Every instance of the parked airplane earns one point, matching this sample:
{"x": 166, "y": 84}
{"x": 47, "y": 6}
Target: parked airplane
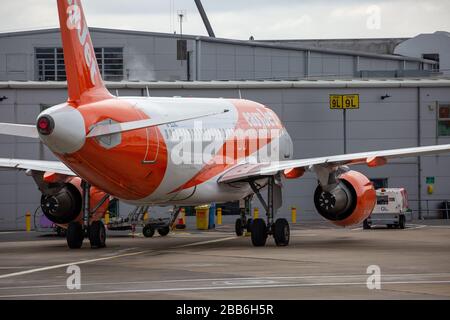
{"x": 175, "y": 151}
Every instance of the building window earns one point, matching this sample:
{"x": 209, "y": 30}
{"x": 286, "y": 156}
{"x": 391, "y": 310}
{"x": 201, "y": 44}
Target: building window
{"x": 379, "y": 183}
{"x": 433, "y": 57}
{"x": 444, "y": 120}
{"x": 50, "y": 64}
{"x": 110, "y": 62}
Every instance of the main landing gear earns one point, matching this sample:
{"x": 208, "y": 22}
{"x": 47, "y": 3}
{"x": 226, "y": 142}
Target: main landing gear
{"x": 95, "y": 231}
{"x": 260, "y": 230}
{"x": 243, "y": 223}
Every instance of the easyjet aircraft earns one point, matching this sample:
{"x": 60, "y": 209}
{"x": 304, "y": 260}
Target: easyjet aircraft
{"x": 139, "y": 150}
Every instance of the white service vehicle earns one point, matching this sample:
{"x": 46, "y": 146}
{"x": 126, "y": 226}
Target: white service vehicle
{"x": 390, "y": 210}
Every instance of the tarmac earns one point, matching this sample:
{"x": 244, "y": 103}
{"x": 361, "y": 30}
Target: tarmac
{"x": 321, "y": 262}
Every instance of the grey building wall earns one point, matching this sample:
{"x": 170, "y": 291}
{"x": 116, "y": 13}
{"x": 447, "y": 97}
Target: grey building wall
{"x": 147, "y": 56}
{"x": 303, "y": 106}
{"x": 153, "y": 56}
{"x": 372, "y": 45}
{"x": 434, "y": 43}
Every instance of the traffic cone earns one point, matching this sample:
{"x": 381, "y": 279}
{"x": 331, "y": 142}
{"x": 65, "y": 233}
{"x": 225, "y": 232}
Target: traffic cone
{"x": 181, "y": 221}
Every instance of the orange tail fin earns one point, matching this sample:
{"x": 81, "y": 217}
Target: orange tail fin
{"x": 84, "y": 80}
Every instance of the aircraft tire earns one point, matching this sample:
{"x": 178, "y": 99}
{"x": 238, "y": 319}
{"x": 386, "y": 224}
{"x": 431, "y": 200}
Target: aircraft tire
{"x": 74, "y": 235}
{"x": 249, "y": 225}
{"x": 259, "y": 233}
{"x": 281, "y": 232}
{"x": 97, "y": 234}
{"x": 239, "y": 227}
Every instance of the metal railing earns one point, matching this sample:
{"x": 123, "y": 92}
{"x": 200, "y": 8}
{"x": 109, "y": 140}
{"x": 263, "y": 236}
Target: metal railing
{"x": 430, "y": 208}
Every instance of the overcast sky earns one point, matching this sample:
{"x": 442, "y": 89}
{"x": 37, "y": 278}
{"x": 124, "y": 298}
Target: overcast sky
{"x": 264, "y": 19}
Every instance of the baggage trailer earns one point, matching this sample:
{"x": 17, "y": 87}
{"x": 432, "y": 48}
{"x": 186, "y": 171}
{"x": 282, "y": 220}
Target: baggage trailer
{"x": 138, "y": 217}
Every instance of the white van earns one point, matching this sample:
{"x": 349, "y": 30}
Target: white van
{"x": 390, "y": 210}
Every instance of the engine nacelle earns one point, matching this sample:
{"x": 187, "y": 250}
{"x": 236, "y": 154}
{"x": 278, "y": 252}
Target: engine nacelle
{"x": 65, "y": 205}
{"x": 348, "y": 202}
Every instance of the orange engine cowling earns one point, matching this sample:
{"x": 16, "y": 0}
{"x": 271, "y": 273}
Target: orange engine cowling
{"x": 349, "y": 202}
{"x": 65, "y": 205}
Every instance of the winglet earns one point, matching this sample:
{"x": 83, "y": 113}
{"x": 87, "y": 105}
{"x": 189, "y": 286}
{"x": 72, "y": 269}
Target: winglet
{"x": 84, "y": 81}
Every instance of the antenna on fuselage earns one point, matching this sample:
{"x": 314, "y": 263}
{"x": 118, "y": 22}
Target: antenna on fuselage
{"x": 117, "y": 93}
{"x": 240, "y": 93}
{"x": 148, "y": 91}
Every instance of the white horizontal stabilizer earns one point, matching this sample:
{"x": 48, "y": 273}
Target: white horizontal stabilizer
{"x": 19, "y": 130}
{"x": 36, "y": 165}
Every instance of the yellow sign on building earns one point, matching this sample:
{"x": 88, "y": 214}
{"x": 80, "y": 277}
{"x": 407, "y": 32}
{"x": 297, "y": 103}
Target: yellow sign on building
{"x": 349, "y": 101}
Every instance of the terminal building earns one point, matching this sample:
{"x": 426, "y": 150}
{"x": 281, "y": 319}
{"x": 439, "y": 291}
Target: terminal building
{"x": 404, "y": 100}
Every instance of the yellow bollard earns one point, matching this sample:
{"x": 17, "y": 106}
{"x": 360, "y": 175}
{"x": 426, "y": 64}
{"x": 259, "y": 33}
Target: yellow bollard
{"x": 28, "y": 221}
{"x": 294, "y": 214}
{"x": 183, "y": 216}
{"x": 255, "y": 213}
{"x": 219, "y": 216}
{"x": 107, "y": 218}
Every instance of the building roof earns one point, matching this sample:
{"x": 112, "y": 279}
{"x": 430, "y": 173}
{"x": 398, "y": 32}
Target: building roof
{"x": 230, "y": 41}
{"x": 351, "y": 83}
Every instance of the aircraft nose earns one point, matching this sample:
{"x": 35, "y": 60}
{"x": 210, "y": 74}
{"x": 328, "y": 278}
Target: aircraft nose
{"x": 62, "y": 129}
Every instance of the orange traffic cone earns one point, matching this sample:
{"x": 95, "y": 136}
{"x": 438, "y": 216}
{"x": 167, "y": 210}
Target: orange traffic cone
{"x": 181, "y": 221}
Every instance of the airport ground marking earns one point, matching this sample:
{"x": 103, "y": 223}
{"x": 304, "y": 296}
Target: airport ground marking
{"x": 330, "y": 284}
{"x": 195, "y": 244}
{"x": 58, "y": 266}
{"x": 21, "y": 273}
{"x": 237, "y": 279}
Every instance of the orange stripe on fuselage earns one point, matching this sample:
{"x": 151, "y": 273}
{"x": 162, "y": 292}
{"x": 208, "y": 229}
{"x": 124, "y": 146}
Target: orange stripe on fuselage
{"x": 119, "y": 171}
{"x": 217, "y": 165}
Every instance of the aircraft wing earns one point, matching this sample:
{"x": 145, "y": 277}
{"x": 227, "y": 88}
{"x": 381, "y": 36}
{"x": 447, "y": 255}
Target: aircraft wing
{"x": 36, "y": 165}
{"x": 248, "y": 171}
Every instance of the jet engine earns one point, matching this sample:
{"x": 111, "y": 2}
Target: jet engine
{"x": 64, "y": 204}
{"x": 347, "y": 202}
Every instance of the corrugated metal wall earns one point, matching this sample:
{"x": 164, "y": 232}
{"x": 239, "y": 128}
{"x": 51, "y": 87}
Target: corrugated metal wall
{"x": 315, "y": 129}
{"x": 150, "y": 56}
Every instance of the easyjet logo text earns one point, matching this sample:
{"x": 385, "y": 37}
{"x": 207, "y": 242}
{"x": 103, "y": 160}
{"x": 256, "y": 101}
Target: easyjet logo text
{"x": 260, "y": 119}
{"x": 74, "y": 22}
